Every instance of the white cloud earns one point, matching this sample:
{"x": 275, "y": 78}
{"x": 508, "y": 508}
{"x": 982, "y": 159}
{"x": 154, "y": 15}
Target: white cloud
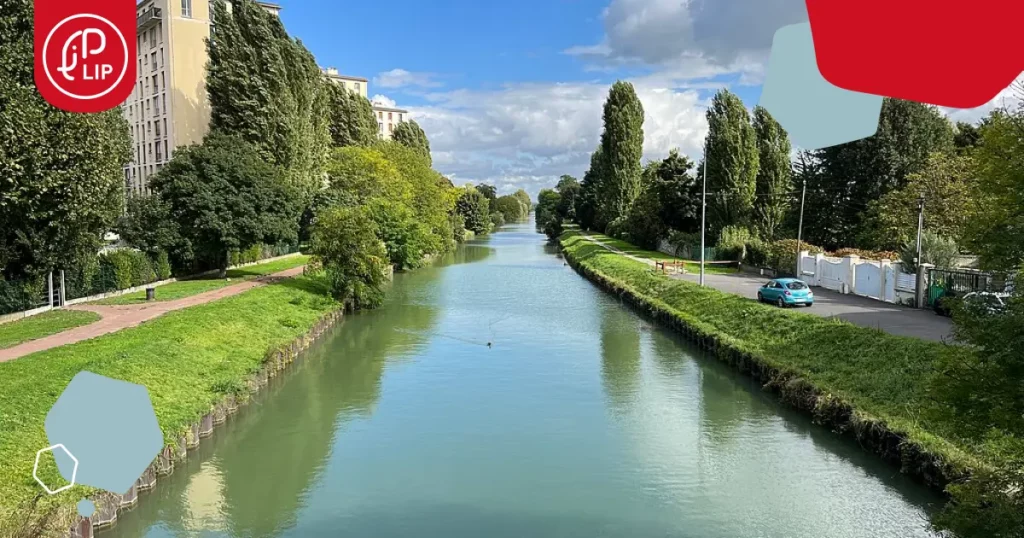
{"x": 526, "y": 135}
{"x": 400, "y": 78}
{"x": 696, "y": 35}
{"x": 383, "y": 100}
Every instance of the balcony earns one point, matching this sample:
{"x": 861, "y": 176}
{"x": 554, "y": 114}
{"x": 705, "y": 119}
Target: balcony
{"x": 149, "y": 17}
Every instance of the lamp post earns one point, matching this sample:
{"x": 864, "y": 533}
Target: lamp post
{"x": 800, "y": 230}
{"x": 920, "y": 225}
{"x": 703, "y": 209}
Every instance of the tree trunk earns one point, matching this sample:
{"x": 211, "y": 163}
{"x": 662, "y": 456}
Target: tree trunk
{"x": 224, "y": 267}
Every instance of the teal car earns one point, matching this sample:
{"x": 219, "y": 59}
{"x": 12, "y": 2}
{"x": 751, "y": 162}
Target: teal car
{"x": 786, "y": 292}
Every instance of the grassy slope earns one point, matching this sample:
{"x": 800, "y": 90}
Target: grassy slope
{"x": 633, "y": 250}
{"x": 884, "y": 377}
{"x": 53, "y": 322}
{"x": 187, "y": 359}
{"x": 188, "y": 288}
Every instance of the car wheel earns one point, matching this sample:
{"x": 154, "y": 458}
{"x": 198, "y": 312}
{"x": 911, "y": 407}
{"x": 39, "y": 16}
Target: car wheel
{"x": 760, "y": 298}
{"x": 810, "y": 305}
{"x": 781, "y": 303}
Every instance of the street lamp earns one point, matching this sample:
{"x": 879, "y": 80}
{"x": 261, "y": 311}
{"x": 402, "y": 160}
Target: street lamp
{"x": 704, "y": 198}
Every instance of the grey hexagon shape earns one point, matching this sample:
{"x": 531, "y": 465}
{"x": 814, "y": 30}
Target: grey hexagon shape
{"x": 815, "y": 113}
{"x": 110, "y": 426}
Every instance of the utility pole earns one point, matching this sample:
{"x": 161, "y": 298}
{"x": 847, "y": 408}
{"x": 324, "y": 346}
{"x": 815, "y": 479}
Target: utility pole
{"x": 920, "y": 225}
{"x": 800, "y": 228}
{"x": 703, "y": 209}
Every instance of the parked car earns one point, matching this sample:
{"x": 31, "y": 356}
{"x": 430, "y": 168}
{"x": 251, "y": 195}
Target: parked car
{"x": 991, "y": 302}
{"x": 786, "y": 292}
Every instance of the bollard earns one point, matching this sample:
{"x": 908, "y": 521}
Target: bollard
{"x": 150, "y": 294}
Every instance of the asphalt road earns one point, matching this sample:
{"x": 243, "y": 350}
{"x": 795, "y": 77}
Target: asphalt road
{"x": 893, "y": 319}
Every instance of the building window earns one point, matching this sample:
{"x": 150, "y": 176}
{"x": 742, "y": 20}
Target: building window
{"x": 380, "y": 126}
{"x": 186, "y": 8}
{"x": 400, "y": 117}
{"x": 343, "y": 84}
{"x": 357, "y": 87}
{"x": 152, "y": 38}
{"x": 153, "y": 58}
{"x": 157, "y": 129}
{"x": 163, "y": 81}
{"x": 156, "y": 106}
{"x": 165, "y": 125}
{"x": 164, "y": 97}
{"x": 389, "y": 115}
{"x": 166, "y": 152}
{"x": 391, "y": 127}
{"x": 155, "y": 89}
{"x": 380, "y": 116}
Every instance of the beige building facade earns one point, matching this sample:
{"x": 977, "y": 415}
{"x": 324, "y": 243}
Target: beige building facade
{"x": 169, "y": 106}
{"x": 387, "y": 117}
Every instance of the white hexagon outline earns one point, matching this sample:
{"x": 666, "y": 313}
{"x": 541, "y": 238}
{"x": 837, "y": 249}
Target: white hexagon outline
{"x": 74, "y": 473}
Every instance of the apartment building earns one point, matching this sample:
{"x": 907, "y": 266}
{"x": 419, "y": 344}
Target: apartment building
{"x": 168, "y": 107}
{"x": 387, "y": 117}
{"x": 354, "y": 84}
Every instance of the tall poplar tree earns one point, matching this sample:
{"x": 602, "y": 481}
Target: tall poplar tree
{"x": 622, "y": 144}
{"x": 352, "y": 122}
{"x": 411, "y": 135}
{"x": 732, "y": 162}
{"x": 774, "y": 176}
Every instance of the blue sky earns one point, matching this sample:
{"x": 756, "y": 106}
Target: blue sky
{"x": 510, "y": 93}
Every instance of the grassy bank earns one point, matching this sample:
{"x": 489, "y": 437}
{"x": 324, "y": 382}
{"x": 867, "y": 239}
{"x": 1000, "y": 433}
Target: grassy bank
{"x": 188, "y": 360}
{"x": 188, "y": 288}
{"x": 654, "y": 255}
{"x": 38, "y": 326}
{"x": 865, "y": 382}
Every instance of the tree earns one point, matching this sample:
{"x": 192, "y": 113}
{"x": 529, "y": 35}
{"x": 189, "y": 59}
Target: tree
{"x": 345, "y": 244}
{"x": 488, "y": 191}
{"x": 357, "y": 175}
{"x": 432, "y": 195}
{"x": 644, "y": 225}
{"x": 406, "y": 239}
{"x": 678, "y": 192}
{"x": 949, "y": 187}
{"x": 410, "y": 135}
{"x": 996, "y": 233}
{"x": 622, "y": 144}
{"x": 966, "y": 136}
{"x": 352, "y": 119}
{"x": 147, "y": 225}
{"x": 859, "y": 172}
{"x": 267, "y": 89}
{"x": 474, "y": 208}
{"x": 61, "y": 174}
{"x": 935, "y": 249}
{"x": 774, "y": 175}
{"x": 510, "y": 207}
{"x": 732, "y": 162}
{"x": 524, "y": 199}
{"x": 588, "y": 215}
{"x": 548, "y": 219}
{"x": 224, "y": 196}
{"x": 568, "y": 192}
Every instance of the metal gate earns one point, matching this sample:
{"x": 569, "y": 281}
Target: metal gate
{"x": 953, "y": 283}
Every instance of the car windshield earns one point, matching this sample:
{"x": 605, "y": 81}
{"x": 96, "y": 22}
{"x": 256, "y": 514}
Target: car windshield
{"x": 796, "y": 285}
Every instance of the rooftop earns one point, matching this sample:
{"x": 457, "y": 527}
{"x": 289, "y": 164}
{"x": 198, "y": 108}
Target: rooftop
{"x": 332, "y": 72}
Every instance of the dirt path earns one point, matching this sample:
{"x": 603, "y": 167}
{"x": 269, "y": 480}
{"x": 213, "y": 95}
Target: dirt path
{"x": 115, "y": 318}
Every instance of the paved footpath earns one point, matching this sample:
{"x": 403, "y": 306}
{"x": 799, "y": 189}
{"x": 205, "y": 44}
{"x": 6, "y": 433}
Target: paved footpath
{"x": 893, "y": 319}
{"x": 117, "y": 317}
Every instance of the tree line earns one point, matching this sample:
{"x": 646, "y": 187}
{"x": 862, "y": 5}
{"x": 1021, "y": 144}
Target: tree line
{"x": 290, "y": 157}
{"x": 861, "y": 197}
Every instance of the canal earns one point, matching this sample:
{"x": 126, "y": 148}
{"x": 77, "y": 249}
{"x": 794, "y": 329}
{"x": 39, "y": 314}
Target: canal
{"x": 580, "y": 419}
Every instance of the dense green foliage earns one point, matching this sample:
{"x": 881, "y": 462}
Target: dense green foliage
{"x": 935, "y": 249}
{"x": 587, "y": 205}
{"x": 345, "y": 245}
{"x": 549, "y": 212}
{"x": 61, "y": 173}
{"x": 842, "y": 180}
{"x": 622, "y": 143}
{"x": 223, "y": 196}
{"x": 411, "y": 135}
{"x": 489, "y": 191}
{"x": 474, "y": 208}
{"x": 774, "y": 176}
{"x": 511, "y": 207}
{"x": 266, "y": 88}
{"x": 352, "y": 120}
{"x": 996, "y": 230}
{"x": 733, "y": 162}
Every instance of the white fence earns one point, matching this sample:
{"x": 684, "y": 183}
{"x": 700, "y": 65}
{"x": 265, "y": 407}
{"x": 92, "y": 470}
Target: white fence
{"x": 881, "y": 280}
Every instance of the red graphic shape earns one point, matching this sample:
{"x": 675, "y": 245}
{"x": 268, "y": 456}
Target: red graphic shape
{"x": 942, "y": 52}
{"x": 85, "y": 53}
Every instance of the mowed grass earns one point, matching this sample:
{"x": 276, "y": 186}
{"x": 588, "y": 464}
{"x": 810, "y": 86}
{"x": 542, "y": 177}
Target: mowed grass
{"x": 188, "y": 288}
{"x": 188, "y": 359}
{"x": 45, "y": 324}
{"x": 710, "y": 266}
{"x": 884, "y": 377}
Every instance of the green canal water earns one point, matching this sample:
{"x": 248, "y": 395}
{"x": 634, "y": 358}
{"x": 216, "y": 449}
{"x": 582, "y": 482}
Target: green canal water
{"x": 581, "y": 420}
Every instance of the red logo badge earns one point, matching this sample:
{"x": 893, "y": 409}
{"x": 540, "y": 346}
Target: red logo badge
{"x": 85, "y": 53}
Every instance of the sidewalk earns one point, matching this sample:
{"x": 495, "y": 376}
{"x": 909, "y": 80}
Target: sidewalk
{"x": 115, "y": 318}
{"x": 893, "y": 319}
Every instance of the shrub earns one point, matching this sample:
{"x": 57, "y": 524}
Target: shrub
{"x": 867, "y": 254}
{"x": 345, "y": 243}
{"x": 936, "y": 250}
{"x": 141, "y": 267}
{"x": 18, "y": 295}
{"x": 782, "y": 254}
{"x": 162, "y": 266}
{"x": 757, "y": 253}
{"x": 115, "y": 270}
{"x": 617, "y": 228}
{"x": 683, "y": 242}
{"x": 732, "y": 244}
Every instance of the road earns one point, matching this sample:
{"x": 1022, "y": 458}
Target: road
{"x": 893, "y": 319}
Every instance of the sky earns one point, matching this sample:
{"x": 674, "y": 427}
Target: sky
{"x": 510, "y": 93}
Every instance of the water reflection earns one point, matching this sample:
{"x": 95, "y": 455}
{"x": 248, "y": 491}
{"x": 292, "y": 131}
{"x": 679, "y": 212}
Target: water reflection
{"x": 620, "y": 357}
